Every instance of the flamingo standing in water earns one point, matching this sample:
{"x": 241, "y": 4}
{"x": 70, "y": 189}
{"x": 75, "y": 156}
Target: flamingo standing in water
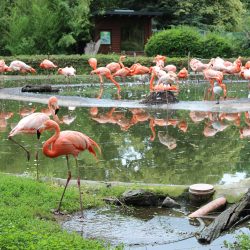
{"x": 114, "y": 66}
{"x": 102, "y": 71}
{"x": 29, "y": 124}
{"x": 67, "y": 143}
{"x": 67, "y": 72}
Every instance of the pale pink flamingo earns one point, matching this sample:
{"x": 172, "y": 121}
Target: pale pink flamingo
{"x": 29, "y": 124}
{"x": 68, "y": 72}
{"x": 67, "y": 143}
{"x": 170, "y": 67}
{"x": 22, "y": 67}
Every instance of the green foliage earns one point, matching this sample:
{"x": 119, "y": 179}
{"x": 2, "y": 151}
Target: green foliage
{"x": 26, "y": 220}
{"x": 216, "y": 45}
{"x": 242, "y": 243}
{"x": 174, "y": 42}
{"x": 36, "y": 27}
{"x": 181, "y": 40}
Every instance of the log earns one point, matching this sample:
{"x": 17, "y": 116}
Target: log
{"x": 211, "y": 206}
{"x": 225, "y": 220}
{"x": 39, "y": 88}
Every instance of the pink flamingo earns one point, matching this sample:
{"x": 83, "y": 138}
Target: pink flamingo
{"x": 214, "y": 75}
{"x": 29, "y": 124}
{"x": 48, "y": 65}
{"x": 103, "y": 71}
{"x": 67, "y": 143}
{"x": 114, "y": 66}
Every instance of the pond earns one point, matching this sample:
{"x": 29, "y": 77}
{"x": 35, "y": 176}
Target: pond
{"x": 139, "y": 145}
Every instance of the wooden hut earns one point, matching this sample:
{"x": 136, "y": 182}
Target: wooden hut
{"x": 123, "y": 30}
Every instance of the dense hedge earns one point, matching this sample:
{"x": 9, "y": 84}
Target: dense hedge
{"x": 80, "y": 62}
{"x": 183, "y": 40}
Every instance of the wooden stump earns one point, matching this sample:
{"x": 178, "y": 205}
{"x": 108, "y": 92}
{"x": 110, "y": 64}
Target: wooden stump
{"x": 226, "y": 220}
{"x": 160, "y": 97}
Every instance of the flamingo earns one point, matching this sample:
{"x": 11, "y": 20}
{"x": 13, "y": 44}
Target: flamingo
{"x": 183, "y": 73}
{"x": 48, "y": 65}
{"x": 4, "y": 67}
{"x": 114, "y": 66}
{"x": 103, "y": 71}
{"x": 217, "y": 91}
{"x": 170, "y": 67}
{"x": 67, "y": 143}
{"x": 197, "y": 66}
{"x": 29, "y": 124}
{"x": 67, "y": 72}
{"x": 245, "y": 73}
{"x": 247, "y": 65}
{"x": 215, "y": 75}
{"x": 21, "y": 67}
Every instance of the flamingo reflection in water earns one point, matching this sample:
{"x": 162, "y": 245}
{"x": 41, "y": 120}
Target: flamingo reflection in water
{"x": 29, "y": 125}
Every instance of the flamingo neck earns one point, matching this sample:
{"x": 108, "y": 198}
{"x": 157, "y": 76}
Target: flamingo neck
{"x": 48, "y": 145}
{"x": 121, "y": 63}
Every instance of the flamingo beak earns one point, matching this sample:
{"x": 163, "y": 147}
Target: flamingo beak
{"x": 38, "y": 134}
{"x": 56, "y": 110}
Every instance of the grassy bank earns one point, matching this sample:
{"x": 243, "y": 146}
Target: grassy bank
{"x": 28, "y": 223}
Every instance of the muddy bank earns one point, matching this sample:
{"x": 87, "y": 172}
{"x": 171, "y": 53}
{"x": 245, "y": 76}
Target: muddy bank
{"x": 233, "y": 191}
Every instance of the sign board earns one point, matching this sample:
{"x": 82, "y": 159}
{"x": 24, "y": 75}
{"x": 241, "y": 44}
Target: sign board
{"x": 105, "y": 37}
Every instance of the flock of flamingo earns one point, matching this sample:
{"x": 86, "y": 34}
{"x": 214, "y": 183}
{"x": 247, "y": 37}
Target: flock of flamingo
{"x": 70, "y": 142}
{"x": 166, "y": 75}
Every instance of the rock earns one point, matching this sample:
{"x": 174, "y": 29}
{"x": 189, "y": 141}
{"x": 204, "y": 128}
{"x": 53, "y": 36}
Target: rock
{"x": 141, "y": 197}
{"x": 170, "y": 203}
{"x": 39, "y": 88}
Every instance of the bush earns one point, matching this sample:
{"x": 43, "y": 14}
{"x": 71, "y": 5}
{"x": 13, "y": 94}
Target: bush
{"x": 175, "y": 42}
{"x": 214, "y": 45}
{"x": 181, "y": 40}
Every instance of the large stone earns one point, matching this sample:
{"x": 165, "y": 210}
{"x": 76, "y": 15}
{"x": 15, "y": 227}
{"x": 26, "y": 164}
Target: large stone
{"x": 170, "y": 203}
{"x": 141, "y": 197}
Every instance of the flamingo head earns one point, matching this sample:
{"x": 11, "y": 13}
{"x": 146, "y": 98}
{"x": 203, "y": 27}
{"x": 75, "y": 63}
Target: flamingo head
{"x": 47, "y": 125}
{"x": 53, "y": 104}
{"x": 92, "y": 63}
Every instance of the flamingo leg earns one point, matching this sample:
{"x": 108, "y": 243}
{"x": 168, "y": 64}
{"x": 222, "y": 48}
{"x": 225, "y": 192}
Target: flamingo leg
{"x": 223, "y": 86}
{"x": 65, "y": 187}
{"x": 115, "y": 82}
{"x": 28, "y": 153}
{"x": 79, "y": 187}
{"x": 151, "y": 82}
{"x": 37, "y": 170}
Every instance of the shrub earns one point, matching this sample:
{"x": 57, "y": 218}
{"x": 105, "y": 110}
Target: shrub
{"x": 183, "y": 39}
{"x": 216, "y": 45}
{"x": 175, "y": 42}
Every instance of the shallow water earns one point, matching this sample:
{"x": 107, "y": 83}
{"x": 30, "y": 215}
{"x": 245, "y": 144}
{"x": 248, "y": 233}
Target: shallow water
{"x": 139, "y": 145}
{"x": 144, "y": 228}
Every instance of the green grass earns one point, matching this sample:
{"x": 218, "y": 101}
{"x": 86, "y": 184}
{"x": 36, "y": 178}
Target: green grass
{"x": 27, "y": 221}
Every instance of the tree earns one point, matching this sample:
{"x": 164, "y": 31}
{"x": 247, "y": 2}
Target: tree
{"x": 49, "y": 26}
